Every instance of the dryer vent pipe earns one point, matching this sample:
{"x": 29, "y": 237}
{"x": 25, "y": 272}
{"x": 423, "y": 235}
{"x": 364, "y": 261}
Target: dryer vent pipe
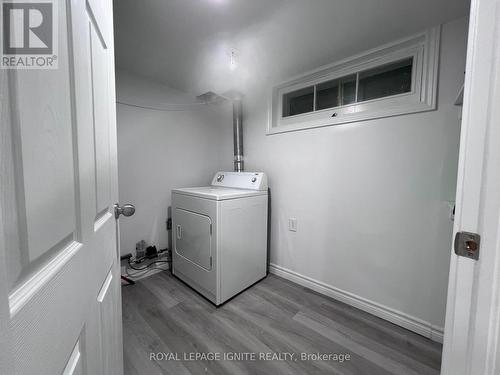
{"x": 238, "y": 134}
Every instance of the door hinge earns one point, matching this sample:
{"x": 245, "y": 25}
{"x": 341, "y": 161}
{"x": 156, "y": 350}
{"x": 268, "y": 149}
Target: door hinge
{"x": 210, "y": 229}
{"x": 210, "y": 261}
{"x": 467, "y": 244}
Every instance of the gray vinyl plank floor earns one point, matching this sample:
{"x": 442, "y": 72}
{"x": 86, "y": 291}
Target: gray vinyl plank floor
{"x": 165, "y": 322}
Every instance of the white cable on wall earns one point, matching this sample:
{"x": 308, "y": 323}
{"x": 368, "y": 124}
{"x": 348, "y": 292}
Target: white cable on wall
{"x": 169, "y": 106}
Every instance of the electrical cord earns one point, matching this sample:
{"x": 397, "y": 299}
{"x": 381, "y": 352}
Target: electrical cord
{"x": 169, "y": 107}
{"x": 143, "y": 258}
{"x": 148, "y": 266}
{"x": 144, "y": 272}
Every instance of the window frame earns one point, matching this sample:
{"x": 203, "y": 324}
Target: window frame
{"x": 422, "y": 47}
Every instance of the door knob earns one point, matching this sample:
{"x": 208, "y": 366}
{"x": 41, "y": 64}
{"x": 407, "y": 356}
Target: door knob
{"x": 125, "y": 210}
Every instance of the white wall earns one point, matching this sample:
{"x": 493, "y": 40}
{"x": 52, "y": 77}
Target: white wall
{"x": 370, "y": 197}
{"x": 162, "y": 150}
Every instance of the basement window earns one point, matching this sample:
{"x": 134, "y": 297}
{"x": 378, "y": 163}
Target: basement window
{"x": 336, "y": 93}
{"x": 394, "y": 79}
{"x": 299, "y": 101}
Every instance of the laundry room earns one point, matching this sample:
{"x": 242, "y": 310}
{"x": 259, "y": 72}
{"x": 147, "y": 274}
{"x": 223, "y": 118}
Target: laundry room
{"x": 292, "y": 173}
{"x": 235, "y": 187}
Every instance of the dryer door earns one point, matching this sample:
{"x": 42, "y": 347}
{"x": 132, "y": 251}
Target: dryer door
{"x": 193, "y": 233}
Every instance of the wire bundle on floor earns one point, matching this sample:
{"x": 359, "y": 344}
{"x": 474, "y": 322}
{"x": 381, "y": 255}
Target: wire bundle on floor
{"x": 142, "y": 271}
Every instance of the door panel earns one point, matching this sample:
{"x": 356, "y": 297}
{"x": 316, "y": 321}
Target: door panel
{"x": 107, "y": 307}
{"x": 193, "y": 237}
{"x": 100, "y": 93}
{"x": 43, "y": 162}
{"x": 58, "y": 237}
{"x": 46, "y": 161}
{"x": 46, "y": 321}
{"x": 99, "y": 13}
{"x": 75, "y": 362}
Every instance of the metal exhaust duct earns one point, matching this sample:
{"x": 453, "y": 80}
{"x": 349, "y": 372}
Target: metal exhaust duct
{"x": 238, "y": 134}
{"x": 236, "y": 98}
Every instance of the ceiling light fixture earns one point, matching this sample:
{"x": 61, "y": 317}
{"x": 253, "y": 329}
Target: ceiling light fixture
{"x": 233, "y": 58}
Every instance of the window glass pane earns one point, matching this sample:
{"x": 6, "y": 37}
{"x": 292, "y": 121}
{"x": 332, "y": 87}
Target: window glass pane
{"x": 348, "y": 89}
{"x": 336, "y": 92}
{"x": 300, "y": 101}
{"x": 385, "y": 80}
{"x": 327, "y": 94}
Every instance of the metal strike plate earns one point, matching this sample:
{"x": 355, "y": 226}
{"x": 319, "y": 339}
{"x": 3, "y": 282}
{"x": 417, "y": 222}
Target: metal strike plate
{"x": 467, "y": 244}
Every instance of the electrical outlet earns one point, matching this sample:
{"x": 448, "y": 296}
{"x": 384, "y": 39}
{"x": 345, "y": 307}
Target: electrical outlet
{"x": 292, "y": 224}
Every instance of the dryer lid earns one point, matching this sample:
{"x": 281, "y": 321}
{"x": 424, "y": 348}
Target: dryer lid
{"x": 218, "y": 193}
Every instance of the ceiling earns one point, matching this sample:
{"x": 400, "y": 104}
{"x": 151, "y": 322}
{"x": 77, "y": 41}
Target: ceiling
{"x": 186, "y": 44}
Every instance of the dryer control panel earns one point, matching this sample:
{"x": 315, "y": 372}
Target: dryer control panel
{"x": 241, "y": 180}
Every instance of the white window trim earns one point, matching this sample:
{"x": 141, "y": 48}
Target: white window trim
{"x": 423, "y": 47}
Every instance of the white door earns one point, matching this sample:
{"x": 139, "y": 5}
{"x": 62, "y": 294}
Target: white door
{"x": 60, "y": 301}
{"x": 472, "y": 330}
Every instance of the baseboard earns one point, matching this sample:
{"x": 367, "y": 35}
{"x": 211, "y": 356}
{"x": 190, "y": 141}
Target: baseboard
{"x": 397, "y": 317}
